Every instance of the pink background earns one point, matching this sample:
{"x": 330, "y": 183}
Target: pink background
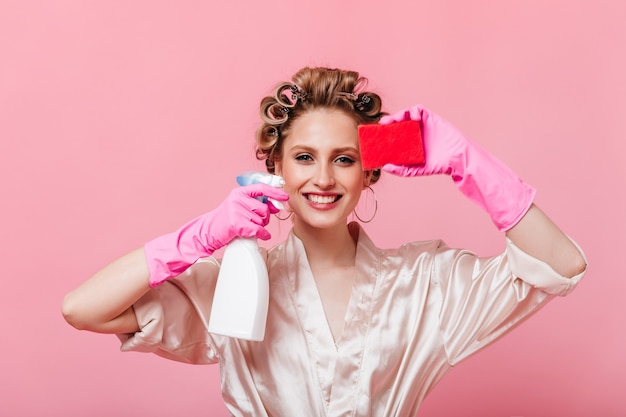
{"x": 119, "y": 121}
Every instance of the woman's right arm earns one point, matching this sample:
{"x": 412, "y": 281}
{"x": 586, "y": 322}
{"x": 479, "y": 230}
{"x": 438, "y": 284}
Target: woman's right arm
{"x": 103, "y": 303}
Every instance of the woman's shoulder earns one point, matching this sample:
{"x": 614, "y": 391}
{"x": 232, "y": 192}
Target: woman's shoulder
{"x": 416, "y": 248}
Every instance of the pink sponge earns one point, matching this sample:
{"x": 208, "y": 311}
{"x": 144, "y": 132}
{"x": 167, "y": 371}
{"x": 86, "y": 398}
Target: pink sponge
{"x": 396, "y": 143}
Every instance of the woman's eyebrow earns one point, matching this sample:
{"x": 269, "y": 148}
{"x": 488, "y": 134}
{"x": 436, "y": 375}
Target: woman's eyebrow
{"x": 347, "y": 149}
{"x": 313, "y": 150}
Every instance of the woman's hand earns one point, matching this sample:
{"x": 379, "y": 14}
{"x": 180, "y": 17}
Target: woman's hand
{"x": 477, "y": 174}
{"x": 241, "y": 214}
{"x": 443, "y": 143}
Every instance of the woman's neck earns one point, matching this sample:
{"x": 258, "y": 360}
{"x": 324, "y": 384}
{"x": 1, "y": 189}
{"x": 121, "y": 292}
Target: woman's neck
{"x": 333, "y": 246}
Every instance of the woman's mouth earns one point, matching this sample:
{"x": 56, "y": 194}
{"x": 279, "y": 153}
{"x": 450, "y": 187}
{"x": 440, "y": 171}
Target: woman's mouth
{"x": 322, "y": 199}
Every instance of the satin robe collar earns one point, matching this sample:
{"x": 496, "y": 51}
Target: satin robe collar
{"x": 337, "y": 362}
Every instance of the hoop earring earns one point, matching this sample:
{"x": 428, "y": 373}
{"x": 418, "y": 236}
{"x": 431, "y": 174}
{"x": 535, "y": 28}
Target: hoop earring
{"x": 375, "y": 208}
{"x": 284, "y": 218}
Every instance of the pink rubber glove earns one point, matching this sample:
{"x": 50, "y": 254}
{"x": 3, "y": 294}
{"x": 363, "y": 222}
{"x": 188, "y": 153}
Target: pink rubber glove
{"x": 477, "y": 174}
{"x": 239, "y": 215}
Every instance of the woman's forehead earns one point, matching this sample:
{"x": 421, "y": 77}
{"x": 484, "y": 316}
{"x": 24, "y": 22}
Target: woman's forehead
{"x": 323, "y": 128}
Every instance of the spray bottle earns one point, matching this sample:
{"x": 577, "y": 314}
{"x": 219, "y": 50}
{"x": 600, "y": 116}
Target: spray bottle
{"x": 241, "y": 295}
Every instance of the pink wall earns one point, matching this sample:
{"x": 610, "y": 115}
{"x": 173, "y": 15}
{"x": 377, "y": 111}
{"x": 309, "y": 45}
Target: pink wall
{"x": 121, "y": 120}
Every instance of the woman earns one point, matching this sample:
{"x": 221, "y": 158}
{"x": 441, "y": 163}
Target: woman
{"x": 352, "y": 329}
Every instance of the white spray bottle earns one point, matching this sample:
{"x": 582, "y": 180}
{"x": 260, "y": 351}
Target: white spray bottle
{"x": 242, "y": 292}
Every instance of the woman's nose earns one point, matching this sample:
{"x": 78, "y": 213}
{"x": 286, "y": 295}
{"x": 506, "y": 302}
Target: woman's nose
{"x": 324, "y": 177}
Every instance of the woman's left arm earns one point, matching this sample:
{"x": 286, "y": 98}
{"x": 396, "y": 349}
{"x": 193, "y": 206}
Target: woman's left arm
{"x": 493, "y": 186}
{"x": 539, "y": 237}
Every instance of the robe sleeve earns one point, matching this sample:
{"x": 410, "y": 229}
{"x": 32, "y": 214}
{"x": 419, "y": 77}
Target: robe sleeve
{"x": 173, "y": 317}
{"x": 483, "y": 298}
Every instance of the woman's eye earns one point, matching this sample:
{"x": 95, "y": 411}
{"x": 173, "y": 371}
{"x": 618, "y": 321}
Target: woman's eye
{"x": 303, "y": 157}
{"x": 345, "y": 160}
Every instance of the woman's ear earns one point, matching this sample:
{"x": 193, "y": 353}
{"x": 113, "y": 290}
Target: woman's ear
{"x": 367, "y": 178}
{"x": 278, "y": 168}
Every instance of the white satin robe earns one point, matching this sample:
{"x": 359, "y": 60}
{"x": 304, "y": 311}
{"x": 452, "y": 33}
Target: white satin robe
{"x": 414, "y": 312}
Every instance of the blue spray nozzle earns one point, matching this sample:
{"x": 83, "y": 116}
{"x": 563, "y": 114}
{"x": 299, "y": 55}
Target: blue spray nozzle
{"x": 255, "y": 177}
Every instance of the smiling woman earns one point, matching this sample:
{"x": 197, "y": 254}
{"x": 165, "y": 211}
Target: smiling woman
{"x": 352, "y": 329}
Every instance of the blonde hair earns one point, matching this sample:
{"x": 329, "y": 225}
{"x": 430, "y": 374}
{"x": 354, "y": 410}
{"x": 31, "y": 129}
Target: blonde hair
{"x": 313, "y": 88}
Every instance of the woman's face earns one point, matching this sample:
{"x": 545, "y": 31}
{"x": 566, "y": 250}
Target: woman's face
{"x": 321, "y": 165}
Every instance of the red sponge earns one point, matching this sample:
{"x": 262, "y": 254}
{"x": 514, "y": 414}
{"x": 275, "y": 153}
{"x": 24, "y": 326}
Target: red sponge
{"x": 396, "y": 143}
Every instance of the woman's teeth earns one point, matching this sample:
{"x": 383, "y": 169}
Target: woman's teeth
{"x": 322, "y": 199}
